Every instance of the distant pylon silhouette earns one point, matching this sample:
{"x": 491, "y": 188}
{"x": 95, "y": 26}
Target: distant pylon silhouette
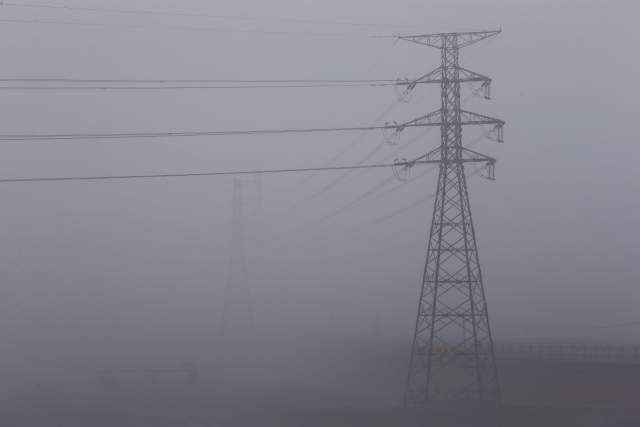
{"x": 452, "y": 358}
{"x": 237, "y": 317}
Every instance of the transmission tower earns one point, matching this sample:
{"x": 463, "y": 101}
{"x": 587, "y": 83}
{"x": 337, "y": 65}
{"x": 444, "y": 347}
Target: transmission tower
{"x": 237, "y": 318}
{"x": 452, "y": 358}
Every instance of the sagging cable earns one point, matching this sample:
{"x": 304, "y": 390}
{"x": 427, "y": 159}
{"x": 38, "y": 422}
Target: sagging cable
{"x": 406, "y": 95}
{"x": 394, "y": 138}
{"x": 402, "y": 174}
{"x": 494, "y": 134}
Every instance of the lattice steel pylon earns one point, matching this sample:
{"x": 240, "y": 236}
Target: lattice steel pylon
{"x": 452, "y": 358}
{"x": 237, "y": 317}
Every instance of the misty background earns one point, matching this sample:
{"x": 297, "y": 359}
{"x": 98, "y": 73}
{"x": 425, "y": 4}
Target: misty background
{"x": 101, "y": 273}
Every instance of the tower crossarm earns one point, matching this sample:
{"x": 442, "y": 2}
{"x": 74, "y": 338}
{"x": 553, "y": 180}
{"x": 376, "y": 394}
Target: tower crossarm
{"x": 471, "y": 76}
{"x": 435, "y": 119}
{"x": 467, "y": 156}
{"x": 469, "y": 118}
{"x": 473, "y": 156}
{"x": 431, "y": 119}
{"x": 434, "y": 156}
{"x": 439, "y": 76}
{"x": 462, "y": 39}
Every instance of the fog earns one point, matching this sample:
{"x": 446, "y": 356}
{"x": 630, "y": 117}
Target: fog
{"x": 131, "y": 274}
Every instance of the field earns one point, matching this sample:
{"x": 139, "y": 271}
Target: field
{"x": 341, "y": 385}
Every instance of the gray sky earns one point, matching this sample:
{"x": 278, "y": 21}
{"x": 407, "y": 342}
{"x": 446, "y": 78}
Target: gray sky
{"x": 134, "y": 265}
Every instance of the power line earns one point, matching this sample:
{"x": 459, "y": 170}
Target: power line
{"x": 331, "y": 215}
{"x": 350, "y": 205}
{"x": 105, "y": 177}
{"x": 298, "y": 33}
{"x": 387, "y": 181}
{"x": 464, "y": 63}
{"x": 353, "y": 142}
{"x": 335, "y": 181}
{"x": 413, "y": 205}
{"x": 221, "y": 16}
{"x": 365, "y": 75}
{"x": 340, "y": 154}
{"x": 415, "y": 139}
{"x": 162, "y": 134}
{"x": 391, "y": 190}
{"x": 427, "y": 171}
{"x": 354, "y": 203}
{"x": 417, "y": 176}
{"x": 189, "y": 87}
{"x": 399, "y": 149}
{"x": 194, "y": 81}
{"x": 419, "y": 202}
{"x": 72, "y": 136}
{"x": 402, "y": 183}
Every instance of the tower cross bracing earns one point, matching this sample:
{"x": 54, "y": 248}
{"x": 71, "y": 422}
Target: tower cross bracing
{"x": 452, "y": 357}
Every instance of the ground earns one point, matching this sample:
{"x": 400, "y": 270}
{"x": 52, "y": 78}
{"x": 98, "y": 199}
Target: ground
{"x": 504, "y": 416}
{"x": 347, "y": 388}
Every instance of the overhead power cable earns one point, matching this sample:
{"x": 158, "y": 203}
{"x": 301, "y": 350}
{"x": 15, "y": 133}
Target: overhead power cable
{"x": 376, "y": 149}
{"x": 375, "y": 64}
{"x": 195, "y": 81}
{"x": 334, "y": 182}
{"x": 193, "y": 15}
{"x": 464, "y": 63}
{"x": 297, "y": 33}
{"x": 390, "y": 190}
{"x": 106, "y": 177}
{"x": 395, "y": 152}
{"x": 411, "y": 206}
{"x": 354, "y": 204}
{"x": 192, "y": 87}
{"x": 72, "y": 136}
{"x": 335, "y": 158}
{"x": 355, "y": 141}
{"x": 341, "y": 153}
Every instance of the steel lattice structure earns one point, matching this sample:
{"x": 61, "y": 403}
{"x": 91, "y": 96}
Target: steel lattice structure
{"x": 452, "y": 357}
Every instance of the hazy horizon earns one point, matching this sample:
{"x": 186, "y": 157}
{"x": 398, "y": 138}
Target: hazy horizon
{"x": 99, "y": 273}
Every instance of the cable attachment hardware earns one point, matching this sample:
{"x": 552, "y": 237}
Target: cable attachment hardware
{"x": 402, "y": 174}
{"x": 489, "y": 167}
{"x": 486, "y": 88}
{"x": 394, "y": 138}
{"x": 484, "y": 91}
{"x": 494, "y": 134}
{"x": 498, "y": 129}
{"x": 406, "y": 95}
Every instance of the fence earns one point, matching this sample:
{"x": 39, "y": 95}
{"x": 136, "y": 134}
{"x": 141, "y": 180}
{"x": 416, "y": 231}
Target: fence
{"x": 584, "y": 353}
